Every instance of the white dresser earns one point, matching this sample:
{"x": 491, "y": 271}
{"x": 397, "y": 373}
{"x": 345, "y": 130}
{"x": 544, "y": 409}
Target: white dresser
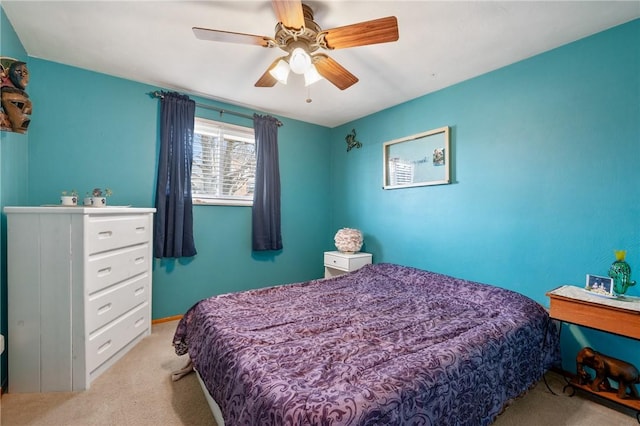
{"x": 337, "y": 263}
{"x": 78, "y": 294}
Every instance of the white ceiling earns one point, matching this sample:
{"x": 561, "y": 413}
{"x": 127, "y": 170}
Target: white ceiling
{"x": 441, "y": 43}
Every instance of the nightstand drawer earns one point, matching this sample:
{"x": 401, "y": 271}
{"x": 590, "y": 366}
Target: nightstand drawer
{"x": 334, "y": 261}
{"x": 346, "y": 262}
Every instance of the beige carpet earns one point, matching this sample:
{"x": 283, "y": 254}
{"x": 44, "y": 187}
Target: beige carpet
{"x": 138, "y": 391}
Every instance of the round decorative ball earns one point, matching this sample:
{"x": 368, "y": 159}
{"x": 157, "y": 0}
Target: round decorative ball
{"x": 348, "y": 240}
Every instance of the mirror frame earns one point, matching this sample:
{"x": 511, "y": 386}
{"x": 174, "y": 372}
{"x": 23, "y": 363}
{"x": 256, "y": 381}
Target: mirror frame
{"x": 427, "y": 152}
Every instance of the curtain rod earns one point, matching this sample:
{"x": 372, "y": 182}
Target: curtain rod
{"x": 159, "y": 95}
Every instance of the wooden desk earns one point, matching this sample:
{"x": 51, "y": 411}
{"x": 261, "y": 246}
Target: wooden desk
{"x": 574, "y": 305}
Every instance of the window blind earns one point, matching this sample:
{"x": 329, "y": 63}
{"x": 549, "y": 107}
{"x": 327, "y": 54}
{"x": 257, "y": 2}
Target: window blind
{"x": 224, "y": 161}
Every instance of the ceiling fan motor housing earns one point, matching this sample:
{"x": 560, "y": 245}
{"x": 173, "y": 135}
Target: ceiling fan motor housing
{"x": 289, "y": 38}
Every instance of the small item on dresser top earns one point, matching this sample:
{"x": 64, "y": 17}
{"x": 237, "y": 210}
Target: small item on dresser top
{"x": 69, "y": 198}
{"x": 600, "y": 286}
{"x": 620, "y": 272}
{"x": 348, "y": 240}
{"x": 99, "y": 197}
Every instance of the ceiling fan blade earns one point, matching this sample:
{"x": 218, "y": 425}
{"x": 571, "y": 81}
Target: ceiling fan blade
{"x": 334, "y": 72}
{"x": 382, "y": 30}
{"x": 267, "y": 80}
{"x": 229, "y": 37}
{"x": 289, "y": 13}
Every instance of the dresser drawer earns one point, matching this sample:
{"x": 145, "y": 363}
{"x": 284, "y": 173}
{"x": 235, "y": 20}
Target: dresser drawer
{"x": 104, "y": 307}
{"x": 106, "y": 269}
{"x": 346, "y": 262}
{"x": 108, "y": 233}
{"x": 107, "y": 341}
{"x": 334, "y": 261}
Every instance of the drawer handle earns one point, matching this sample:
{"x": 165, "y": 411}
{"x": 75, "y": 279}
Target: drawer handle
{"x": 139, "y": 322}
{"x": 104, "y": 346}
{"x": 139, "y": 291}
{"x": 140, "y": 229}
{"x": 104, "y": 271}
{"x": 104, "y": 309}
{"x": 335, "y": 261}
{"x": 105, "y": 234}
{"x": 138, "y": 260}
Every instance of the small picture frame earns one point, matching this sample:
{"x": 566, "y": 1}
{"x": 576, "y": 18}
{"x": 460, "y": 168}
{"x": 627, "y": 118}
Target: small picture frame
{"x": 599, "y": 285}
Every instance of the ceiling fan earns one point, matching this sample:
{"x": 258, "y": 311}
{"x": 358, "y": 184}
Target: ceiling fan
{"x": 297, "y": 34}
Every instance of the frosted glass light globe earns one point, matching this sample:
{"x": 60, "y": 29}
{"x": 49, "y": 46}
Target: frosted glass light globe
{"x": 280, "y": 72}
{"x": 311, "y": 76}
{"x": 300, "y": 61}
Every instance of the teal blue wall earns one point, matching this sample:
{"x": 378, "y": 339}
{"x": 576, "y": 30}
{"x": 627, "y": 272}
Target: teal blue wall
{"x": 13, "y": 176}
{"x": 546, "y": 166}
{"x": 89, "y": 130}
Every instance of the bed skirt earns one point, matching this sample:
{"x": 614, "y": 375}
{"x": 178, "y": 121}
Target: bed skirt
{"x": 213, "y": 405}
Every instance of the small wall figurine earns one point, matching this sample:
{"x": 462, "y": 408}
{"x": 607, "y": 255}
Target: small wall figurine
{"x": 606, "y": 368}
{"x": 16, "y": 105}
{"x": 351, "y": 141}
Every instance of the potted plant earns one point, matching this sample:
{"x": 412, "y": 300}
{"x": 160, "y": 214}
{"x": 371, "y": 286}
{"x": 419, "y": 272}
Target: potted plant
{"x": 99, "y": 197}
{"x": 69, "y": 198}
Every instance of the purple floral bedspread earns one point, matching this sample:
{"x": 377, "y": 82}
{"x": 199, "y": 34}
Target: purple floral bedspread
{"x": 385, "y": 345}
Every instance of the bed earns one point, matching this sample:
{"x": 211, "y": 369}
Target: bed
{"x": 384, "y": 345}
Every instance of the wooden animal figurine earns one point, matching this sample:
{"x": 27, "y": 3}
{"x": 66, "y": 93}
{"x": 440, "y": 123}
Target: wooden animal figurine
{"x": 606, "y": 368}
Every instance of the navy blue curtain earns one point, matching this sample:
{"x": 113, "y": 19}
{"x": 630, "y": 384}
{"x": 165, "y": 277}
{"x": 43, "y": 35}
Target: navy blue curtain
{"x": 266, "y": 234}
{"x": 173, "y": 225}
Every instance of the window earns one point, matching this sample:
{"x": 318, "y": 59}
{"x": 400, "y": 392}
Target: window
{"x": 224, "y": 163}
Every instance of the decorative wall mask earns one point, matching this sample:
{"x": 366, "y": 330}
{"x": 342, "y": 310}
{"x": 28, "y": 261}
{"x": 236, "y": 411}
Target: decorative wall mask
{"x": 351, "y": 140}
{"x": 16, "y": 105}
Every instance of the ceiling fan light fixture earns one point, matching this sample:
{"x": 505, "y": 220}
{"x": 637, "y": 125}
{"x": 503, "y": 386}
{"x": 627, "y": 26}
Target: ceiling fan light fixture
{"x": 281, "y": 71}
{"x": 297, "y": 34}
{"x": 300, "y": 61}
{"x": 311, "y": 76}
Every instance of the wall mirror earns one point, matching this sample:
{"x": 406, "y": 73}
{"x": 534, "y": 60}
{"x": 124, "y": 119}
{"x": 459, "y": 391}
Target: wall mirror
{"x": 417, "y": 160}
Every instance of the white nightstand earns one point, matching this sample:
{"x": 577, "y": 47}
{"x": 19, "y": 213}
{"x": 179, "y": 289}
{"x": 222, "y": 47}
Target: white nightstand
{"x": 337, "y": 263}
